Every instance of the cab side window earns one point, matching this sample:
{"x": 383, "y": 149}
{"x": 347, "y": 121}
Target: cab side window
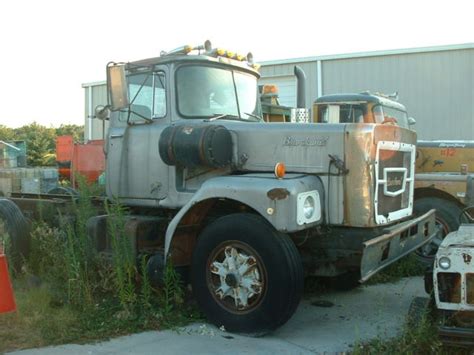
{"x": 147, "y": 92}
{"x": 159, "y": 96}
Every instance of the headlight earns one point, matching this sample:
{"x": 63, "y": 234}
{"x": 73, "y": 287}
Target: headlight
{"x": 308, "y": 207}
{"x": 444, "y": 263}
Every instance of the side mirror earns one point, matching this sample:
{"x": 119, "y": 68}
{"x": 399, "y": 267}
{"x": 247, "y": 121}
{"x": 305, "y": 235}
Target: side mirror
{"x": 411, "y": 121}
{"x": 117, "y": 86}
{"x": 102, "y": 112}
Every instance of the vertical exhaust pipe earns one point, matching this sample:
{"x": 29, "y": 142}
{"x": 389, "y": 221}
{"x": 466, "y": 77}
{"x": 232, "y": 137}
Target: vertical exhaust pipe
{"x": 300, "y": 114}
{"x": 301, "y": 87}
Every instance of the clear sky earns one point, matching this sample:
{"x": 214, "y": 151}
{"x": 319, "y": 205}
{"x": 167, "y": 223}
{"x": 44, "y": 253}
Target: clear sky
{"x": 49, "y": 48}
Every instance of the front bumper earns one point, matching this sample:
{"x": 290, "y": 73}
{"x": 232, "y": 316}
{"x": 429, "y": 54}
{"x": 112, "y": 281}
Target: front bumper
{"x": 456, "y": 336}
{"x": 398, "y": 241}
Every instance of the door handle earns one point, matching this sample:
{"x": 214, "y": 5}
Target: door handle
{"x": 116, "y": 135}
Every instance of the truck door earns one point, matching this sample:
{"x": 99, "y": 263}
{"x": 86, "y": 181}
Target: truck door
{"x": 135, "y": 170}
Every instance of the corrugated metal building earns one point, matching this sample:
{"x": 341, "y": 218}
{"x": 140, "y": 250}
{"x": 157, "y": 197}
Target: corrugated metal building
{"x": 436, "y": 84}
{"x": 95, "y": 94}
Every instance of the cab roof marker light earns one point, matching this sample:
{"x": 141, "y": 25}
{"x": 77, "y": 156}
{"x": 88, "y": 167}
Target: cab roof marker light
{"x": 221, "y": 52}
{"x": 216, "y": 52}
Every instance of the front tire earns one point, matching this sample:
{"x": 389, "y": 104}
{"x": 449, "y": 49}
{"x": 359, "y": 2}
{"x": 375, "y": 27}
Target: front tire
{"x": 246, "y": 276}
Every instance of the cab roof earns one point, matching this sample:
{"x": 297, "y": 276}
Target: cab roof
{"x": 361, "y": 98}
{"x": 183, "y": 58}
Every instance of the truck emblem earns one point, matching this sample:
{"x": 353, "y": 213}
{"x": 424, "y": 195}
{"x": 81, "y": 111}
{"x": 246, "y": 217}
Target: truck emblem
{"x": 394, "y": 182}
{"x": 305, "y": 141}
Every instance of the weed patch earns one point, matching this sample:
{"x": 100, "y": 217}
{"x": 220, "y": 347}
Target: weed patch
{"x": 68, "y": 292}
{"x": 406, "y": 267}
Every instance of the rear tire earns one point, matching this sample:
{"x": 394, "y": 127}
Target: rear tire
{"x": 62, "y": 190}
{"x": 447, "y": 216}
{"x": 245, "y": 275}
{"x": 18, "y": 230}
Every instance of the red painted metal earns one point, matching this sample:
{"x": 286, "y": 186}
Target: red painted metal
{"x": 89, "y": 160}
{"x": 86, "y": 159}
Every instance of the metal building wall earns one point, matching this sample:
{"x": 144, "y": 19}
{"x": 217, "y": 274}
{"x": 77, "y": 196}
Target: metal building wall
{"x": 436, "y": 87}
{"x": 95, "y": 94}
{"x": 273, "y": 74}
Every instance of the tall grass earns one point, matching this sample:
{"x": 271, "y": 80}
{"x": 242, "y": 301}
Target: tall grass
{"x": 123, "y": 256}
{"x": 102, "y": 295}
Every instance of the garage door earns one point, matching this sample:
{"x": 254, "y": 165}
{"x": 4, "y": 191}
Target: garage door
{"x": 286, "y": 88}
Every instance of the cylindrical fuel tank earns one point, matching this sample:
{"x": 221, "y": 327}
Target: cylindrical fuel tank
{"x": 190, "y": 146}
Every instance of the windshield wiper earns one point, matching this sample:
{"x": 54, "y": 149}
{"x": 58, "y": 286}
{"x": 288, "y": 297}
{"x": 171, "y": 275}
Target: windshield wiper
{"x": 226, "y": 116}
{"x": 254, "y": 116}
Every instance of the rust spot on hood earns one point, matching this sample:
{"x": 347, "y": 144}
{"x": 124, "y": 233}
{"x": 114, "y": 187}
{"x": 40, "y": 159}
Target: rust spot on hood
{"x": 278, "y": 194}
{"x": 467, "y": 258}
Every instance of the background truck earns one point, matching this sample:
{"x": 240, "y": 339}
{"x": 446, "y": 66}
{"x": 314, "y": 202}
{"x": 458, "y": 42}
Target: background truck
{"x": 442, "y": 181}
{"x": 241, "y": 203}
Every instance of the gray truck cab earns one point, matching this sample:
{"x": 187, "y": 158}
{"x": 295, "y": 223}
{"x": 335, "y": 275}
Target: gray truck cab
{"x": 245, "y": 204}
{"x": 172, "y": 89}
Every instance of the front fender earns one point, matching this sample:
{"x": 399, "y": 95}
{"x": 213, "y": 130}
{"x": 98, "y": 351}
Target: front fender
{"x": 274, "y": 199}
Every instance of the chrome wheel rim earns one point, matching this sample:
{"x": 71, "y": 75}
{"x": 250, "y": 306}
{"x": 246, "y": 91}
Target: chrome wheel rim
{"x": 236, "y": 276}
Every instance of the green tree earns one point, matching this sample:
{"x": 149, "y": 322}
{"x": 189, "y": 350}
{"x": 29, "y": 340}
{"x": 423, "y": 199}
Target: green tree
{"x": 77, "y": 132}
{"x": 40, "y": 143}
{"x": 6, "y": 133}
{"x": 41, "y": 140}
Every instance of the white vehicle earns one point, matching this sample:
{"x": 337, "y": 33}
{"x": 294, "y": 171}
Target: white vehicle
{"x": 451, "y": 285}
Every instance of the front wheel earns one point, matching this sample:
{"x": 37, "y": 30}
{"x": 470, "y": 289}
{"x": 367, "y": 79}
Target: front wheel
{"x": 246, "y": 276}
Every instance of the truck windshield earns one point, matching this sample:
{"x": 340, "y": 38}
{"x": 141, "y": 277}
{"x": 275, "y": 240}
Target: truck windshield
{"x": 209, "y": 92}
{"x": 337, "y": 113}
{"x": 382, "y": 113}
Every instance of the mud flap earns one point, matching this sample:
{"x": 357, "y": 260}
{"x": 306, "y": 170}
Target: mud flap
{"x": 398, "y": 241}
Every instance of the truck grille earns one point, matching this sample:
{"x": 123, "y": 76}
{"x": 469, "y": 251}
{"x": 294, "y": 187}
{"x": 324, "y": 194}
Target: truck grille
{"x": 394, "y": 181}
{"x": 470, "y": 288}
{"x": 454, "y": 288}
{"x": 449, "y": 287}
